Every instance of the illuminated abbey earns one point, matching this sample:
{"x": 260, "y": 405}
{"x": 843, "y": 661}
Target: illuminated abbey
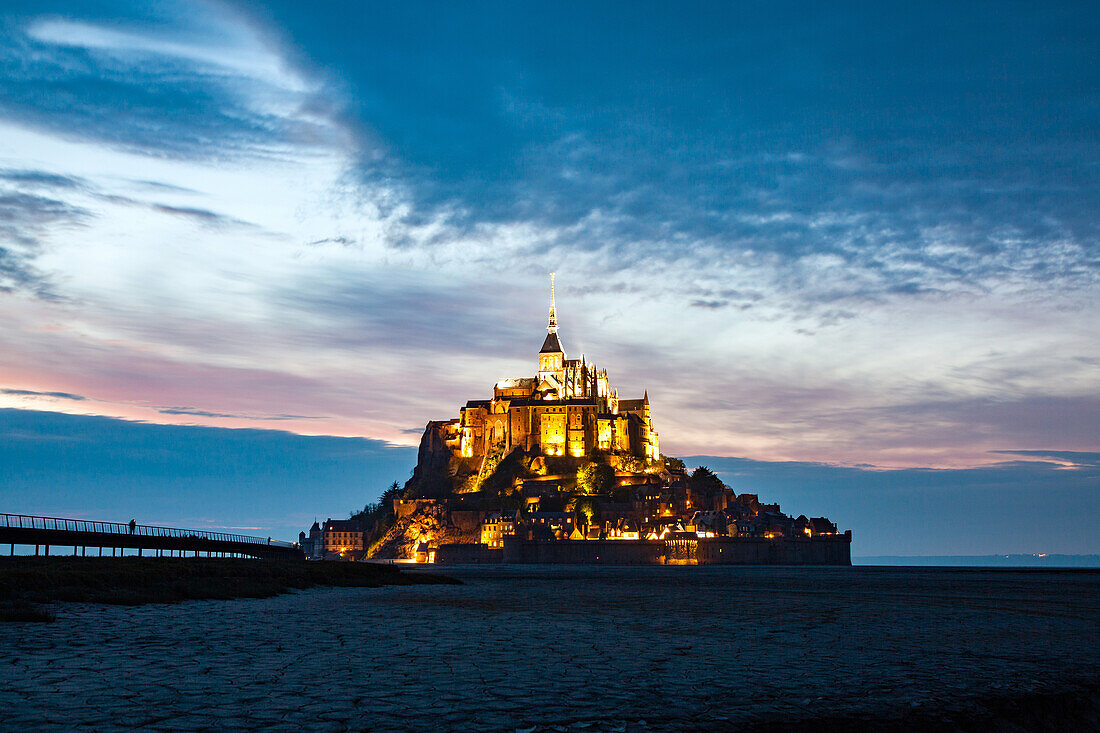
{"x": 569, "y": 408}
{"x": 555, "y": 468}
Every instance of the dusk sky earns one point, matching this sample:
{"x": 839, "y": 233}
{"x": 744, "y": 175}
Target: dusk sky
{"x": 851, "y": 250}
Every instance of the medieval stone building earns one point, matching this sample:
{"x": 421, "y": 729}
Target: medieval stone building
{"x": 569, "y": 408}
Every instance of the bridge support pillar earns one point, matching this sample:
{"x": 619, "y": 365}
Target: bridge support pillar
{"x": 139, "y": 552}
{"x": 46, "y": 552}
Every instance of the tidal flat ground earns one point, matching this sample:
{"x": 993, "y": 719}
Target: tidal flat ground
{"x": 541, "y": 648}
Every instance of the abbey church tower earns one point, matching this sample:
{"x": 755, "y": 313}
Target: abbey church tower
{"x": 551, "y": 357}
{"x": 569, "y": 408}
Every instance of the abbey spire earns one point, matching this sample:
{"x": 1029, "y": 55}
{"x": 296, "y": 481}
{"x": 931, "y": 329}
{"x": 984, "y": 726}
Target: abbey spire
{"x": 552, "y": 327}
{"x": 552, "y": 345}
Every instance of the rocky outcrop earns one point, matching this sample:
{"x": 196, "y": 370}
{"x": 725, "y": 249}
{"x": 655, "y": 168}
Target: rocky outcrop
{"x": 432, "y": 523}
{"x": 434, "y": 475}
{"x": 400, "y": 541}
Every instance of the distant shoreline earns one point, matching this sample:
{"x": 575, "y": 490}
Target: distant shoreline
{"x": 982, "y": 561}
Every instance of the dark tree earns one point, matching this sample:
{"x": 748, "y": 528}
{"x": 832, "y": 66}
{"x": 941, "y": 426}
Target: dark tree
{"x": 705, "y": 482}
{"x": 374, "y": 511}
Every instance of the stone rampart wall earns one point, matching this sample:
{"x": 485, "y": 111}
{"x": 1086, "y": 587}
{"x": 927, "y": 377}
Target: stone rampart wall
{"x": 580, "y": 552}
{"x": 834, "y": 550}
{"x": 825, "y": 550}
{"x": 463, "y": 554}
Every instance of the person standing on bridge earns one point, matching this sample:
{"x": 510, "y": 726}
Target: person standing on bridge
{"x": 133, "y": 526}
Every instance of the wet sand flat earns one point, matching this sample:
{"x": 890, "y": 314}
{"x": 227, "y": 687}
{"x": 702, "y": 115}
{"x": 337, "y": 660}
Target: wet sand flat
{"x": 568, "y": 648}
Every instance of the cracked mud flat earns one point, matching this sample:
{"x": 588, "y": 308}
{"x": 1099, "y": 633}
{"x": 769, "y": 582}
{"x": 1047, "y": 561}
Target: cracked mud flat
{"x": 579, "y": 648}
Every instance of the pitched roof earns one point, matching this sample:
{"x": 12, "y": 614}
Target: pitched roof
{"x": 515, "y": 382}
{"x": 343, "y": 525}
{"x": 551, "y": 344}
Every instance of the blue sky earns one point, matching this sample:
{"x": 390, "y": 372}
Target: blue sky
{"x": 837, "y": 236}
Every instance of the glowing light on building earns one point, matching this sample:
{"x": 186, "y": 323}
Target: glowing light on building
{"x": 569, "y": 408}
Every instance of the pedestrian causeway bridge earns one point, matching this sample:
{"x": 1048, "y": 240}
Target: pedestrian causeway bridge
{"x": 45, "y": 533}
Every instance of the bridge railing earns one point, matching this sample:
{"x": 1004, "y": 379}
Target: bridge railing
{"x": 28, "y": 521}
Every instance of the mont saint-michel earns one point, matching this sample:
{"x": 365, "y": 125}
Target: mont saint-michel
{"x": 556, "y": 467}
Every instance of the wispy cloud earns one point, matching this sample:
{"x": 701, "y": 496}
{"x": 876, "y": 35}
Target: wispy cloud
{"x": 161, "y": 186}
{"x": 202, "y": 215}
{"x": 232, "y": 415}
{"x": 37, "y": 206}
{"x": 37, "y": 178}
{"x": 1070, "y": 459}
{"x": 345, "y": 241}
{"x": 133, "y": 85}
{"x": 25, "y": 219}
{"x": 52, "y": 395}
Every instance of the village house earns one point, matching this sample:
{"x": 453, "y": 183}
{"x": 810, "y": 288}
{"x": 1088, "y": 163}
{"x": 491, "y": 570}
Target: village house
{"x": 342, "y": 537}
{"x": 495, "y": 527}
